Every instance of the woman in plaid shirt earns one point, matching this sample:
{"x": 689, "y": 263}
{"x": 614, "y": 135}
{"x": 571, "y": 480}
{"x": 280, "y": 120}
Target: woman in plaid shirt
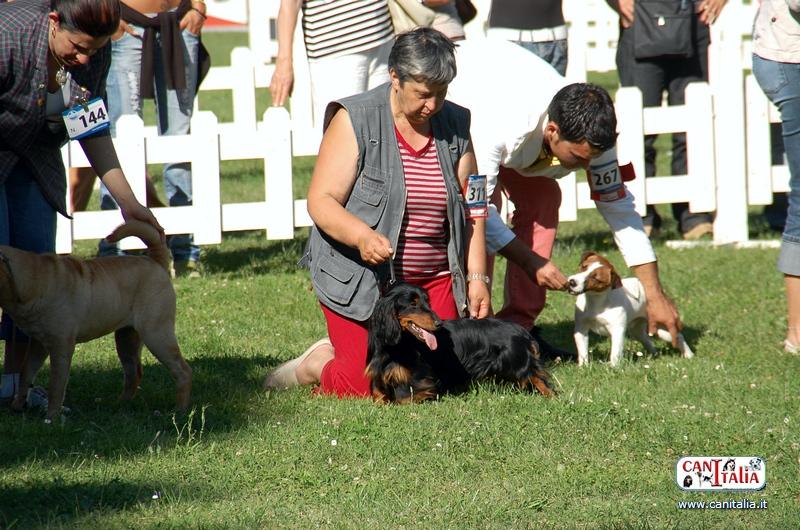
{"x": 54, "y": 55}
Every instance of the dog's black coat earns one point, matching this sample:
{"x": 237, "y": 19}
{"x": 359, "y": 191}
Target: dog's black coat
{"x": 403, "y": 368}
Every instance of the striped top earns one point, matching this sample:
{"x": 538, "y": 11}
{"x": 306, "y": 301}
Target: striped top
{"x": 341, "y": 27}
{"x": 422, "y": 246}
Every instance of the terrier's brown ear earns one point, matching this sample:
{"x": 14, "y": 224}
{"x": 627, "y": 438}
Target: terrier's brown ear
{"x": 599, "y": 280}
{"x": 586, "y": 255}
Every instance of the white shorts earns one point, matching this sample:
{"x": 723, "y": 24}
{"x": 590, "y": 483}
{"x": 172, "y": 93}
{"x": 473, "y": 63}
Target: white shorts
{"x": 334, "y": 78}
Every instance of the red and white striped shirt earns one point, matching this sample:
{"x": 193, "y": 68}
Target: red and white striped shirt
{"x": 422, "y": 246}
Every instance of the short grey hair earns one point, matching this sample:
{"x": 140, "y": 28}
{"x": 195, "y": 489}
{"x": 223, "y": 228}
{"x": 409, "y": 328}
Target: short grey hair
{"x": 424, "y": 55}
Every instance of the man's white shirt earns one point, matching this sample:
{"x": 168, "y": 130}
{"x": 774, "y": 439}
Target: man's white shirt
{"x": 508, "y": 90}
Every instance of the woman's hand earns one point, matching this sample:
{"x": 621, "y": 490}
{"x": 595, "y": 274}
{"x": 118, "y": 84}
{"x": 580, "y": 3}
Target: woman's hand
{"x": 282, "y": 82}
{"x": 374, "y": 247}
{"x": 136, "y": 210}
{"x": 709, "y": 10}
{"x": 479, "y": 298}
{"x": 124, "y": 28}
{"x": 625, "y": 10}
{"x": 194, "y": 19}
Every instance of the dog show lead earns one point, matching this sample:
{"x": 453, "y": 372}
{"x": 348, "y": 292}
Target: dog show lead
{"x": 54, "y": 58}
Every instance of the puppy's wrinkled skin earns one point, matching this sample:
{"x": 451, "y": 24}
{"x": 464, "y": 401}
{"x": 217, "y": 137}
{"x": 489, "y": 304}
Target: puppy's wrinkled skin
{"x": 610, "y": 306}
{"x": 60, "y": 301}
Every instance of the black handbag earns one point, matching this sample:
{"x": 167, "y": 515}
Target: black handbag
{"x": 663, "y": 28}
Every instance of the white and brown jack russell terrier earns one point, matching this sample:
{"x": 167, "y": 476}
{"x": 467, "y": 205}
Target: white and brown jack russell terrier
{"x": 610, "y": 306}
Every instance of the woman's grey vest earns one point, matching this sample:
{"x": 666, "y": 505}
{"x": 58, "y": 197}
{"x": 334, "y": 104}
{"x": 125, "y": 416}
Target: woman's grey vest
{"x": 341, "y": 280}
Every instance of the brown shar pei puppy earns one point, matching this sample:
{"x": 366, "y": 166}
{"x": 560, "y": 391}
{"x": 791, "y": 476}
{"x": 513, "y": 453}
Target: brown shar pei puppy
{"x": 60, "y": 301}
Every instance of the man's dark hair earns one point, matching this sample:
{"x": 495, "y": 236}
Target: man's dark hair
{"x": 584, "y": 111}
{"x": 96, "y": 18}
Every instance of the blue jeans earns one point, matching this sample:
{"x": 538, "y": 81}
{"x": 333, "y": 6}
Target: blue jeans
{"x": 174, "y": 112}
{"x": 554, "y": 52}
{"x": 781, "y": 83}
{"x": 27, "y": 222}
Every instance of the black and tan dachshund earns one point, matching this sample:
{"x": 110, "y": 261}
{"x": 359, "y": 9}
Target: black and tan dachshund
{"x": 413, "y": 356}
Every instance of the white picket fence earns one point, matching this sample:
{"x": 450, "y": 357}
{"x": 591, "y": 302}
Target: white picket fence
{"x": 726, "y": 121}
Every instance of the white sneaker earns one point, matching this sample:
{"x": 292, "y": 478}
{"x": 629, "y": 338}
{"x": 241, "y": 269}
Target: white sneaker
{"x": 284, "y": 375}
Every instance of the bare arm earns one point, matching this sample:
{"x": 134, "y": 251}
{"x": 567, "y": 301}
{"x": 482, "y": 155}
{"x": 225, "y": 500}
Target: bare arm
{"x": 540, "y": 270}
{"x": 709, "y": 10}
{"x": 331, "y": 183}
{"x": 280, "y": 87}
{"x": 661, "y": 311}
{"x": 479, "y": 296}
{"x": 625, "y": 10}
{"x": 103, "y": 158}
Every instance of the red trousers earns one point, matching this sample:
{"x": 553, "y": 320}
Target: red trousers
{"x": 344, "y": 374}
{"x": 534, "y": 222}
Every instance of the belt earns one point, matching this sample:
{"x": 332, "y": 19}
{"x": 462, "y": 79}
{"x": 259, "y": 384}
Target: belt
{"x": 529, "y": 35}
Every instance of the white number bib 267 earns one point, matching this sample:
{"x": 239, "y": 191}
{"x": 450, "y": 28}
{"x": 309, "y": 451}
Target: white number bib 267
{"x": 86, "y": 120}
{"x": 606, "y": 183}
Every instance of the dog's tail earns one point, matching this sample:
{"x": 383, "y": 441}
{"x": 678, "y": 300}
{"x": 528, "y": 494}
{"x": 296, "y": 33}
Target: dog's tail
{"x": 156, "y": 248}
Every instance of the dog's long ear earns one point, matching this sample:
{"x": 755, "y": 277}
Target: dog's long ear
{"x": 383, "y": 325}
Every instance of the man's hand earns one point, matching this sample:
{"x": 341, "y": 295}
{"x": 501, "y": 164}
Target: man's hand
{"x": 661, "y": 311}
{"x": 541, "y": 271}
{"x": 549, "y": 276}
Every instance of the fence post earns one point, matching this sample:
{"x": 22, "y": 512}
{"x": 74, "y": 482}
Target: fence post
{"x": 727, "y": 85}
{"x": 206, "y": 199}
{"x": 244, "y": 91}
{"x": 630, "y": 143}
{"x": 64, "y": 225}
{"x": 700, "y": 148}
{"x": 262, "y": 29}
{"x": 278, "y": 174}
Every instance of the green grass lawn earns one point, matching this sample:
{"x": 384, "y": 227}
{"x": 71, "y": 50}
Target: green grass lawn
{"x": 600, "y": 455}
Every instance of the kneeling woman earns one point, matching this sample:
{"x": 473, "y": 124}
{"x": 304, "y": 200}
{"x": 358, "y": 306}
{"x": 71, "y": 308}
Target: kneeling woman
{"x": 386, "y": 193}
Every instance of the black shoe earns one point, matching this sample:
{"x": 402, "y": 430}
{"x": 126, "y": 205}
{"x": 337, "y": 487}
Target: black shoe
{"x": 547, "y": 350}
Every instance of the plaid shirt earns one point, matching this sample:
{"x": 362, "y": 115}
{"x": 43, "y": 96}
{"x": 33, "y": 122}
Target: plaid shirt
{"x": 26, "y": 133}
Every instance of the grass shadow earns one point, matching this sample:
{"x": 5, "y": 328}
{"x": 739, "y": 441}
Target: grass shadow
{"x": 226, "y": 389}
{"x": 248, "y": 254}
{"x": 59, "y": 502}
